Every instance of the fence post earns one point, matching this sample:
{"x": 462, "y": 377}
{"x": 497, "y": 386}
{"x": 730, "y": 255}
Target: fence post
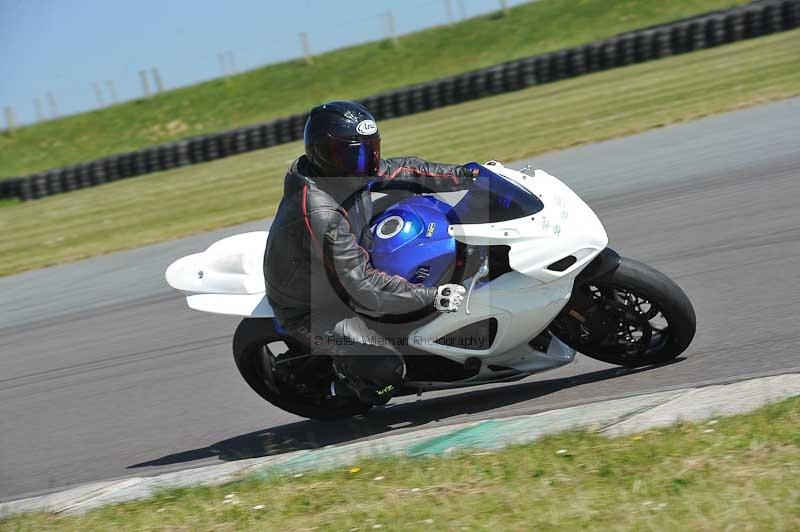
{"x": 157, "y": 79}
{"x": 306, "y": 48}
{"x": 462, "y": 11}
{"x": 51, "y": 99}
{"x": 223, "y": 67}
{"x": 98, "y": 95}
{"x": 231, "y": 62}
{"x": 145, "y": 83}
{"x": 504, "y": 7}
{"x": 448, "y": 9}
{"x": 390, "y": 27}
{"x": 11, "y": 121}
{"x": 37, "y": 104}
{"x": 112, "y": 90}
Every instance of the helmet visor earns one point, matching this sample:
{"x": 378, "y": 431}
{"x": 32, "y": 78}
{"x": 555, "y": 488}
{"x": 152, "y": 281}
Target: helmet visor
{"x": 356, "y": 158}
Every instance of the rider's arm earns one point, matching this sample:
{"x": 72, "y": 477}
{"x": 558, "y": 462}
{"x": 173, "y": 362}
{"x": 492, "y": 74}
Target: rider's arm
{"x": 422, "y": 176}
{"x": 351, "y": 274}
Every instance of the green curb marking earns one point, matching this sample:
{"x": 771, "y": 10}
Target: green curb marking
{"x": 611, "y": 417}
{"x": 487, "y": 435}
{"x": 480, "y": 435}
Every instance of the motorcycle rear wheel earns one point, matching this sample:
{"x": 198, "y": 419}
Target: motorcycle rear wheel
{"x": 256, "y": 353}
{"x": 633, "y": 316}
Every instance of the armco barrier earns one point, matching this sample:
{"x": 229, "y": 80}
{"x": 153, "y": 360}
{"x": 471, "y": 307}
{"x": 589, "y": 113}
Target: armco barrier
{"x": 761, "y": 17}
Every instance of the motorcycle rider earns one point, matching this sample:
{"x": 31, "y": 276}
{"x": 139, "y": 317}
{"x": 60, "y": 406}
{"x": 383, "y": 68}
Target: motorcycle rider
{"x": 319, "y": 279}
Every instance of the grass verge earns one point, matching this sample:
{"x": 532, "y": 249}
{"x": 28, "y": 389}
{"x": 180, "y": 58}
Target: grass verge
{"x": 291, "y": 87}
{"x": 737, "y": 473}
{"x": 167, "y": 205}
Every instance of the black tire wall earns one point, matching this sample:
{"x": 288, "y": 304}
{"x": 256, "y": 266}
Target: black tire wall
{"x": 699, "y": 32}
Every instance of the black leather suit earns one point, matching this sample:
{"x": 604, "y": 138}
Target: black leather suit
{"x": 319, "y": 279}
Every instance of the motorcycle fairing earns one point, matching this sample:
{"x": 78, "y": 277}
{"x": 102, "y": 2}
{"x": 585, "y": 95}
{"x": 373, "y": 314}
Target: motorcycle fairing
{"x": 555, "y": 224}
{"x": 564, "y": 226}
{"x": 227, "y": 278}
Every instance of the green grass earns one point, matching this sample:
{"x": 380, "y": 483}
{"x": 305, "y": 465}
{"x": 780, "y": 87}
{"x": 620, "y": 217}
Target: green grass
{"x": 358, "y": 71}
{"x": 737, "y": 473}
{"x": 9, "y": 201}
{"x": 159, "y": 207}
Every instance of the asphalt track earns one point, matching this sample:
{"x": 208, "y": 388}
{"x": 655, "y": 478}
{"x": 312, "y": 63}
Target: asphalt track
{"x": 104, "y": 373}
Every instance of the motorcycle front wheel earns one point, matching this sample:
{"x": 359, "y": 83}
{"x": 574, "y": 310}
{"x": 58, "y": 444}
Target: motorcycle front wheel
{"x": 281, "y": 371}
{"x": 633, "y": 316}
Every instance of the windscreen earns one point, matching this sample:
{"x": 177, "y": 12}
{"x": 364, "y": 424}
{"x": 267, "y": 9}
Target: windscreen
{"x": 494, "y": 198}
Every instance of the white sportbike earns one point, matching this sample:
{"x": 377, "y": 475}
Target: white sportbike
{"x": 541, "y": 285}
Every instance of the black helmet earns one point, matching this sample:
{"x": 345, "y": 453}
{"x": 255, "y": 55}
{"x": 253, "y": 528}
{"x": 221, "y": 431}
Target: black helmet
{"x": 342, "y": 140}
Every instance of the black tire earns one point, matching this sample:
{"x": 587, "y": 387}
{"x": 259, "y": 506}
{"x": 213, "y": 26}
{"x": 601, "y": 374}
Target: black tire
{"x": 667, "y": 302}
{"x": 250, "y": 355}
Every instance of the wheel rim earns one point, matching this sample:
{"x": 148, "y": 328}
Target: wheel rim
{"x": 637, "y": 328}
{"x": 614, "y": 322}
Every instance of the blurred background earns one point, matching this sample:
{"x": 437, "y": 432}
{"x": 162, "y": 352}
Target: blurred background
{"x": 134, "y": 133}
{"x": 89, "y": 55}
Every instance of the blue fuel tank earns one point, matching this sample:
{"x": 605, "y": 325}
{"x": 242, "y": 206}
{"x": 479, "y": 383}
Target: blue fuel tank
{"x": 411, "y": 239}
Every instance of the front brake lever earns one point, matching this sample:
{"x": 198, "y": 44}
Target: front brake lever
{"x": 482, "y": 272}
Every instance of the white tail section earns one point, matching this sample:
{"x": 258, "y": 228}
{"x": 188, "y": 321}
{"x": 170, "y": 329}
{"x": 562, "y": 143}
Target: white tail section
{"x": 226, "y": 278}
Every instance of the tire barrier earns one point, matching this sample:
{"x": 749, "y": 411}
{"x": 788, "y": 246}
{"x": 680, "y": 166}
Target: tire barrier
{"x": 707, "y": 30}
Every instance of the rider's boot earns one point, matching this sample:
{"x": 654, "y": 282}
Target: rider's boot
{"x": 373, "y": 379}
{"x": 365, "y": 394}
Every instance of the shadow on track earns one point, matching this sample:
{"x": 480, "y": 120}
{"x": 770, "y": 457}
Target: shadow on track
{"x": 315, "y": 434}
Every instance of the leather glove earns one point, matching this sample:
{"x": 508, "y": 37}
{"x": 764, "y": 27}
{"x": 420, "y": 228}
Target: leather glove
{"x": 449, "y": 297}
{"x": 470, "y": 173}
